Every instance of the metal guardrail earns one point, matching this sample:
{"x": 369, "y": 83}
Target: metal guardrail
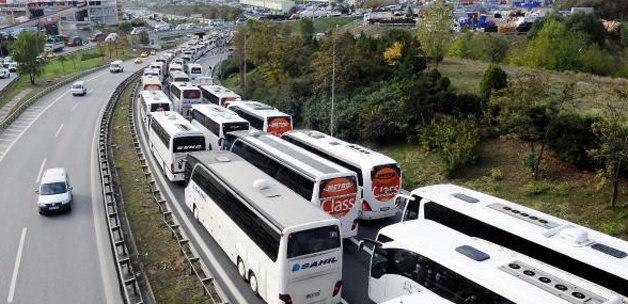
{"x": 197, "y": 268}
{"x": 134, "y": 287}
{"x": 6, "y": 87}
{"x": 17, "y": 112}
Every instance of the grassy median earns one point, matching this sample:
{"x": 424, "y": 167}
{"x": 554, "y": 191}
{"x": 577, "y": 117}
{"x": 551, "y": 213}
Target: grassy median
{"x": 167, "y": 270}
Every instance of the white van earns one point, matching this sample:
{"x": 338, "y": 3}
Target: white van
{"x": 78, "y": 88}
{"x": 116, "y": 66}
{"x": 55, "y": 192}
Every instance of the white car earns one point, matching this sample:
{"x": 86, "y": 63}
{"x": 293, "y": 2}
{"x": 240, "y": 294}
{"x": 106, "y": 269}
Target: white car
{"x": 4, "y": 73}
{"x": 116, "y": 67}
{"x": 78, "y": 88}
{"x": 12, "y": 66}
{"x": 55, "y": 192}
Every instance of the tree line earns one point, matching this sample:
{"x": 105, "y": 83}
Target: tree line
{"x": 384, "y": 93}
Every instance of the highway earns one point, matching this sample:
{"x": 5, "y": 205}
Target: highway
{"x": 355, "y": 264}
{"x": 63, "y": 258}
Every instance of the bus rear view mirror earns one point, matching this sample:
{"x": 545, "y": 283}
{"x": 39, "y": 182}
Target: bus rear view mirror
{"x": 401, "y": 199}
{"x": 363, "y": 242}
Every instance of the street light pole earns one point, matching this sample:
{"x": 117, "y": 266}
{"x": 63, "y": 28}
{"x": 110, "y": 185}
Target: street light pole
{"x": 333, "y": 80}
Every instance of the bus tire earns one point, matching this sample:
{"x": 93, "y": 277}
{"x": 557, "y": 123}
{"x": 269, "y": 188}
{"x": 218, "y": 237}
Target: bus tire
{"x": 241, "y": 269}
{"x": 253, "y": 283}
{"x": 195, "y": 213}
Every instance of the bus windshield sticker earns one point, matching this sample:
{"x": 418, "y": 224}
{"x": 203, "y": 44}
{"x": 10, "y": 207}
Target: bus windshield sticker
{"x": 278, "y": 125}
{"x": 338, "y": 195}
{"x": 386, "y": 183}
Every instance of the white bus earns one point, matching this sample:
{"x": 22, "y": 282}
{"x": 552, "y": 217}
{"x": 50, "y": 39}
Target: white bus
{"x": 427, "y": 257}
{"x": 379, "y": 176}
{"x": 329, "y": 186}
{"x": 174, "y": 67}
{"x": 170, "y": 138}
{"x": 215, "y": 122}
{"x": 151, "y": 83}
{"x": 153, "y": 101}
{"x": 183, "y": 96}
{"x": 176, "y": 76}
{"x": 159, "y": 66}
{"x": 194, "y": 70}
{"x": 262, "y": 116}
{"x": 592, "y": 255}
{"x": 288, "y": 251}
{"x": 218, "y": 95}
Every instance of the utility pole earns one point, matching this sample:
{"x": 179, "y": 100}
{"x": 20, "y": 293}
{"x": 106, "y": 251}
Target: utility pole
{"x": 333, "y": 80}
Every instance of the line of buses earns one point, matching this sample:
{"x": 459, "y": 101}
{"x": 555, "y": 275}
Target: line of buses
{"x": 279, "y": 201}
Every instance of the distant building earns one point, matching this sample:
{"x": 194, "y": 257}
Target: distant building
{"x": 95, "y": 12}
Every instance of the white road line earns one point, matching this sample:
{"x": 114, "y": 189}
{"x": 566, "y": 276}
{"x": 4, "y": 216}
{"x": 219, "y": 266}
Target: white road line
{"x": 74, "y": 108}
{"x": 41, "y": 169}
{"x": 59, "y": 130}
{"x": 16, "y": 268}
{"x": 357, "y": 243}
{"x": 4, "y": 139}
{"x": 343, "y": 301}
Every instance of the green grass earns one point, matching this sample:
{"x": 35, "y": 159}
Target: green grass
{"x": 322, "y": 25}
{"x": 563, "y": 191}
{"x": 166, "y": 269}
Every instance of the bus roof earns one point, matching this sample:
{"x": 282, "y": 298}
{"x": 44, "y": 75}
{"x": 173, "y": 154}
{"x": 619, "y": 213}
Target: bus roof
{"x": 151, "y": 97}
{"x": 258, "y": 108}
{"x": 177, "y": 74}
{"x": 218, "y": 113}
{"x": 584, "y": 244}
{"x": 175, "y": 124}
{"x": 185, "y": 86}
{"x": 348, "y": 152}
{"x": 266, "y": 195}
{"x": 493, "y": 266}
{"x": 219, "y": 91}
{"x": 307, "y": 163}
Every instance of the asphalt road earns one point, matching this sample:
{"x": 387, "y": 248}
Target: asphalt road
{"x": 355, "y": 264}
{"x": 63, "y": 258}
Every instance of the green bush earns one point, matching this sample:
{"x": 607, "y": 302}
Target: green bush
{"x": 88, "y": 56}
{"x": 571, "y": 137}
{"x": 494, "y": 79}
{"x": 456, "y": 142}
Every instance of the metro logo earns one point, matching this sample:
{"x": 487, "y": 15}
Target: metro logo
{"x": 278, "y": 125}
{"x": 338, "y": 195}
{"x": 386, "y": 184}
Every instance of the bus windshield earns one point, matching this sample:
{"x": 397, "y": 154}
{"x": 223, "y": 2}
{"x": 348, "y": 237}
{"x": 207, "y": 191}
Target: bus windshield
{"x": 191, "y": 94}
{"x": 159, "y": 107}
{"x": 313, "y": 240}
{"x": 188, "y": 144}
{"x": 152, "y": 87}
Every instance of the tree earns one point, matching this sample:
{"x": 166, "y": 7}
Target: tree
{"x": 589, "y": 24}
{"x": 125, "y": 28}
{"x": 143, "y": 38}
{"x": 528, "y": 112}
{"x": 62, "y": 59}
{"x": 434, "y": 30}
{"x": 26, "y": 48}
{"x": 494, "y": 79}
{"x": 612, "y": 131}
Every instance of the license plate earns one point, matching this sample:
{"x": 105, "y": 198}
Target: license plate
{"x": 384, "y": 209}
{"x": 54, "y": 208}
{"x": 313, "y": 295}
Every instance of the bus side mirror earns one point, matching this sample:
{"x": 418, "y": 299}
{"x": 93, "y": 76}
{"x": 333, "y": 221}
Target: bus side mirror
{"x": 401, "y": 199}
{"x": 363, "y": 242}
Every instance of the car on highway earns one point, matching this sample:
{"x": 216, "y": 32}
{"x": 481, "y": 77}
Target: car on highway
{"x": 152, "y": 53}
{"x": 12, "y": 66}
{"x": 55, "y": 192}
{"x": 98, "y": 36}
{"x": 4, "y": 73}
{"x": 75, "y": 41}
{"x": 116, "y": 66}
{"x": 138, "y": 60}
{"x": 144, "y": 54}
{"x": 79, "y": 88}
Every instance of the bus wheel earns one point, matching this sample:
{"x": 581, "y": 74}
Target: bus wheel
{"x": 241, "y": 269}
{"x": 253, "y": 283}
{"x": 195, "y": 212}
{"x": 163, "y": 169}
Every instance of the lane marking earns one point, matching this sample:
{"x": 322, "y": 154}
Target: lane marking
{"x": 74, "y": 108}
{"x": 16, "y": 268}
{"x": 343, "y": 301}
{"x": 357, "y": 243}
{"x": 59, "y": 130}
{"x": 41, "y": 169}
